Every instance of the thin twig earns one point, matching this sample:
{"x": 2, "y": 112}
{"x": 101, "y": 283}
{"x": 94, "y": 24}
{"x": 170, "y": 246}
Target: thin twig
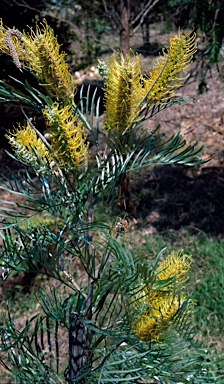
{"x": 45, "y": 13}
{"x": 141, "y": 15}
{"x": 70, "y": 278}
{"x": 36, "y": 130}
{"x": 88, "y": 312}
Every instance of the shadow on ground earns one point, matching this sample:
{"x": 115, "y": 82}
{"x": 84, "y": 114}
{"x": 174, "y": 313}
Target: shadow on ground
{"x": 173, "y": 197}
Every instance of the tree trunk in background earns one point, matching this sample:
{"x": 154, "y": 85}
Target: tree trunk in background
{"x": 125, "y": 28}
{"x": 145, "y": 31}
{"x": 123, "y": 185}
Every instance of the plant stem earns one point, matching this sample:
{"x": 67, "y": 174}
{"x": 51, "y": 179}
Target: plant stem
{"x": 89, "y": 300}
{"x": 76, "y": 348}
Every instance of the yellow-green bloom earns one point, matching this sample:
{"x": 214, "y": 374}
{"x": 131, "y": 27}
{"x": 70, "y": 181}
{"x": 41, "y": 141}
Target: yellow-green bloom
{"x": 123, "y": 92}
{"x": 162, "y": 80}
{"x": 175, "y": 266}
{"x": 40, "y": 52}
{"x": 27, "y": 145}
{"x": 69, "y": 144}
{"x": 127, "y": 93}
{"x": 157, "y": 318}
{"x": 42, "y": 55}
{"x": 155, "y": 308}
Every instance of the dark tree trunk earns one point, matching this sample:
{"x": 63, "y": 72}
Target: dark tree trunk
{"x": 125, "y": 29}
{"x": 145, "y": 31}
{"x": 124, "y": 199}
{"x": 76, "y": 349}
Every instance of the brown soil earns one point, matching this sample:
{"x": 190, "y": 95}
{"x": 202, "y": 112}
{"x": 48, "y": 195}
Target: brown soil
{"x": 176, "y": 196}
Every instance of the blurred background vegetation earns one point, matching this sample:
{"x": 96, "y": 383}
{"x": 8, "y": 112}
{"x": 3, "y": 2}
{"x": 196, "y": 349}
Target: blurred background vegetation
{"x": 93, "y": 23}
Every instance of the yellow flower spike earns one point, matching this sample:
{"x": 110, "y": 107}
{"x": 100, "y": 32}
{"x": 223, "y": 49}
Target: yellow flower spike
{"x": 175, "y": 266}
{"x": 68, "y": 140}
{"x": 42, "y": 56}
{"x": 40, "y": 52}
{"x": 26, "y": 137}
{"x": 156, "y": 307}
{"x": 161, "y": 81}
{"x": 150, "y": 324}
{"x": 123, "y": 92}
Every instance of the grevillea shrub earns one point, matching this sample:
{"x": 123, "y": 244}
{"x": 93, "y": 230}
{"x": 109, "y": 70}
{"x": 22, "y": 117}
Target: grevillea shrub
{"x": 125, "y": 319}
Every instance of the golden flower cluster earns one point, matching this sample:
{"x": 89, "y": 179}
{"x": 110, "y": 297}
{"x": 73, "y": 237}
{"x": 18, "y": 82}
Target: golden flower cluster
{"x": 68, "y": 139}
{"x": 156, "y": 307}
{"x": 68, "y": 146}
{"x": 128, "y": 93}
{"x": 43, "y": 58}
{"x": 25, "y": 141}
{"x": 39, "y": 51}
{"x": 161, "y": 81}
{"x": 122, "y": 97}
